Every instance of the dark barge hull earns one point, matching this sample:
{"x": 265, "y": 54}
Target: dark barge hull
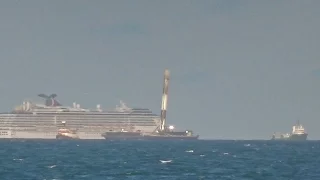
{"x": 125, "y": 136}
{"x": 122, "y": 136}
{"x": 163, "y": 137}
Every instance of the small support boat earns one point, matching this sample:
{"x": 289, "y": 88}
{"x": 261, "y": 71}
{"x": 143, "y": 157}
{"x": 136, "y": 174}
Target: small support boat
{"x": 65, "y": 133}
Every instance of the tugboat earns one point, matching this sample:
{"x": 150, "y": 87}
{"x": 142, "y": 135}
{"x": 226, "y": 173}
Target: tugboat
{"x": 65, "y": 133}
{"x": 298, "y": 134}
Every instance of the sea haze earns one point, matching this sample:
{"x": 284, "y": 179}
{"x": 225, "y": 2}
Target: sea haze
{"x": 100, "y": 159}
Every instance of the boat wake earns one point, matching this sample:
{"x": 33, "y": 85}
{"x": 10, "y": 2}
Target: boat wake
{"x": 52, "y": 166}
{"x": 18, "y": 159}
{"x": 165, "y": 161}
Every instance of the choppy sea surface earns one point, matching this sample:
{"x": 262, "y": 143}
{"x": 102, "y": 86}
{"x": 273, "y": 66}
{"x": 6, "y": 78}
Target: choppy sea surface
{"x": 148, "y": 160}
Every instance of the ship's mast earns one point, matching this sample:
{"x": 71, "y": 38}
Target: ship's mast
{"x": 164, "y": 99}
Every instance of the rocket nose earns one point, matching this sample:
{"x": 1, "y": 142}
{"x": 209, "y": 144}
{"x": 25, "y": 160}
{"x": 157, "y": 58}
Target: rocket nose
{"x": 166, "y": 73}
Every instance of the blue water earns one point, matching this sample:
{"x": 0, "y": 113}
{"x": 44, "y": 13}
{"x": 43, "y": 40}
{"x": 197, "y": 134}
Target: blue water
{"x": 31, "y": 159}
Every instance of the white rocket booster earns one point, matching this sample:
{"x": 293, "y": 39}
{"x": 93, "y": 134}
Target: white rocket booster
{"x": 164, "y": 99}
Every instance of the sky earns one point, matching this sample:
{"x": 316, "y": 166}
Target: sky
{"x": 239, "y": 69}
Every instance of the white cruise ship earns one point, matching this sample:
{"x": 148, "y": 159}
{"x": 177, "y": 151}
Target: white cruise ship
{"x": 42, "y": 121}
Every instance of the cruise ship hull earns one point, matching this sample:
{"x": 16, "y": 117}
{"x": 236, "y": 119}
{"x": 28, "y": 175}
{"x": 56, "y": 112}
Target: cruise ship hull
{"x": 49, "y": 134}
{"x": 11, "y": 134}
{"x": 66, "y": 136}
{"x": 92, "y": 131}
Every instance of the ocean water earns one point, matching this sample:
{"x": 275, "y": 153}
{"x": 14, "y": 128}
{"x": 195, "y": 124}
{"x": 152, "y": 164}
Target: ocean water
{"x": 147, "y": 160}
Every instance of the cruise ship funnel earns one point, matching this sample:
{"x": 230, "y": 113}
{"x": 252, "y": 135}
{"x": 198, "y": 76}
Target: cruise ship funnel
{"x": 49, "y": 100}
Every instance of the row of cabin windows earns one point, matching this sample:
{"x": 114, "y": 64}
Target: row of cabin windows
{"x": 86, "y": 116}
{"x": 3, "y": 133}
{"x": 79, "y": 120}
{"x": 77, "y": 125}
{"x": 82, "y": 119}
{"x": 51, "y": 131}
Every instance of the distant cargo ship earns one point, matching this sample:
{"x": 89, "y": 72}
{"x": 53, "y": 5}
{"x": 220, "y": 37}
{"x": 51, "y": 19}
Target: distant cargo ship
{"x": 298, "y": 134}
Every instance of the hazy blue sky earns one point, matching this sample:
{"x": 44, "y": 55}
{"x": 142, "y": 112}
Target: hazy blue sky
{"x": 239, "y": 69}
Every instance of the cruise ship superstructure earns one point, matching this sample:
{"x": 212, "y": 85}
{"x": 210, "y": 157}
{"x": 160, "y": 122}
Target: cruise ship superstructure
{"x": 42, "y": 121}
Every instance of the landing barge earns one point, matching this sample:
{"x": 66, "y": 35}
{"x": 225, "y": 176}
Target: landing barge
{"x": 169, "y": 134}
{"x": 162, "y": 132}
